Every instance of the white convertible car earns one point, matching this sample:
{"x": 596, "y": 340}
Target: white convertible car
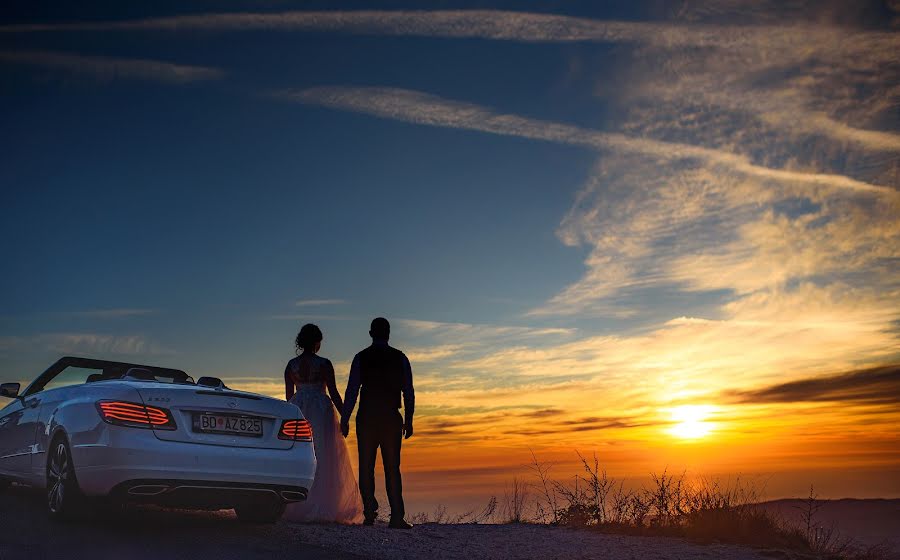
{"x": 126, "y": 432}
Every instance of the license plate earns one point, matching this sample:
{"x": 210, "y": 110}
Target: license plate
{"x": 227, "y": 424}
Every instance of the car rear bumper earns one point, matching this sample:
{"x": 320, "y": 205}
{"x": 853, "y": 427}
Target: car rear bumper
{"x": 205, "y": 493}
{"x": 129, "y": 458}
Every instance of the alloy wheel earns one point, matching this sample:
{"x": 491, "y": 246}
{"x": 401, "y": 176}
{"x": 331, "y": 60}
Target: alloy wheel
{"x": 58, "y": 475}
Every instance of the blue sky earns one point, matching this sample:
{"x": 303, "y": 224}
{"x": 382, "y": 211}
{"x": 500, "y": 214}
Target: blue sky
{"x": 212, "y": 206}
{"x": 554, "y": 202}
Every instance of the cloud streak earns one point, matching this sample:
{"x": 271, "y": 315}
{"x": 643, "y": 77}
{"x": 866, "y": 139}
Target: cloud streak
{"x": 425, "y": 109}
{"x": 112, "y": 68}
{"x": 481, "y": 24}
{"x": 762, "y": 43}
{"x": 879, "y": 385}
{"x": 457, "y": 24}
{"x": 793, "y": 42}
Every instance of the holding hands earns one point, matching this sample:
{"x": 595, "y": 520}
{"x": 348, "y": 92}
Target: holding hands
{"x": 407, "y": 429}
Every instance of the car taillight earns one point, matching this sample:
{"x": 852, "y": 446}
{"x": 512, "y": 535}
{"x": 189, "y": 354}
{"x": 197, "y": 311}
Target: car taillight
{"x": 135, "y": 415}
{"x": 296, "y": 430}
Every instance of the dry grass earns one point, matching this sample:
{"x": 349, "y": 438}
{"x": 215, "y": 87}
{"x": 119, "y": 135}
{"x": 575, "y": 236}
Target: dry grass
{"x": 701, "y": 510}
{"x": 442, "y": 516}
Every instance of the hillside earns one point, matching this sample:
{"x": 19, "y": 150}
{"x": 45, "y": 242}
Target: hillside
{"x": 870, "y": 522}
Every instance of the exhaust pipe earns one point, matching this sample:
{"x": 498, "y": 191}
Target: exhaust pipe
{"x": 147, "y": 490}
{"x": 291, "y": 496}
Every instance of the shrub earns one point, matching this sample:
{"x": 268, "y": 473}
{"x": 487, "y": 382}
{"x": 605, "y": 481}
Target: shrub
{"x": 703, "y": 510}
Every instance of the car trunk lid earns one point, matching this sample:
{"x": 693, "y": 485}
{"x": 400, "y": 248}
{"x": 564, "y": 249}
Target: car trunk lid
{"x": 188, "y": 402}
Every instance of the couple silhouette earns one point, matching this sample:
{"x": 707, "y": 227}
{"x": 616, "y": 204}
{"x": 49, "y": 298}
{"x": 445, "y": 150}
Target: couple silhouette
{"x": 379, "y": 376}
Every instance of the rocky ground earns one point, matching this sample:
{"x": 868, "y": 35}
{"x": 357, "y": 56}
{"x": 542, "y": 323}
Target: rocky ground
{"x": 507, "y": 542}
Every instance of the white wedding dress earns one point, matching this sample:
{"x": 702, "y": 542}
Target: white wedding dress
{"x": 334, "y": 496}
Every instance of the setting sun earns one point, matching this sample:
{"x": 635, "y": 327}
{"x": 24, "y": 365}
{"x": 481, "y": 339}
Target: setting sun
{"x": 690, "y": 421}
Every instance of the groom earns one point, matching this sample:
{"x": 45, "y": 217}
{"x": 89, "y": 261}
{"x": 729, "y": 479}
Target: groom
{"x": 383, "y": 373}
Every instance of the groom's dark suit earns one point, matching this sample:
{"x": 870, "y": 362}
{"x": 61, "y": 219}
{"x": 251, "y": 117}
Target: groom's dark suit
{"x": 381, "y": 374}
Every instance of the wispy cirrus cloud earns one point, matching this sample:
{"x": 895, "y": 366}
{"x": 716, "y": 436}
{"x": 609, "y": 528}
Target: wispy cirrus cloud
{"x": 112, "y": 68}
{"x": 425, "y": 109}
{"x": 480, "y": 24}
{"x": 793, "y": 41}
{"x": 457, "y": 24}
{"x": 694, "y": 229}
{"x": 755, "y": 240}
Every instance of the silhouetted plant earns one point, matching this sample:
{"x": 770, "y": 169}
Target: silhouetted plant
{"x": 441, "y": 515}
{"x": 485, "y": 515}
{"x": 704, "y": 510}
{"x": 515, "y": 499}
{"x": 808, "y": 512}
{"x": 548, "y": 506}
{"x": 668, "y": 499}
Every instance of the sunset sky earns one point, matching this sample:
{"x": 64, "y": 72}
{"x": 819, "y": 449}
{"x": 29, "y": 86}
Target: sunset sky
{"x": 664, "y": 232}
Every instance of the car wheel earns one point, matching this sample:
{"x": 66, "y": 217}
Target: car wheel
{"x": 63, "y": 494}
{"x": 259, "y": 513}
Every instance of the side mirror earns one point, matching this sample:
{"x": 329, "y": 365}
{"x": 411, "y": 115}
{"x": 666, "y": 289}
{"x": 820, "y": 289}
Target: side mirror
{"x": 9, "y": 390}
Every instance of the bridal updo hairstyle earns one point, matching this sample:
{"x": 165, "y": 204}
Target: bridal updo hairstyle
{"x": 307, "y": 338}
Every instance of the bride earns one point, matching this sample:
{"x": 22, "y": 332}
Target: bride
{"x": 334, "y": 496}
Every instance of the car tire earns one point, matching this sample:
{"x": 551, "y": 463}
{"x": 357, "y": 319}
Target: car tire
{"x": 64, "y": 499}
{"x": 259, "y": 513}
